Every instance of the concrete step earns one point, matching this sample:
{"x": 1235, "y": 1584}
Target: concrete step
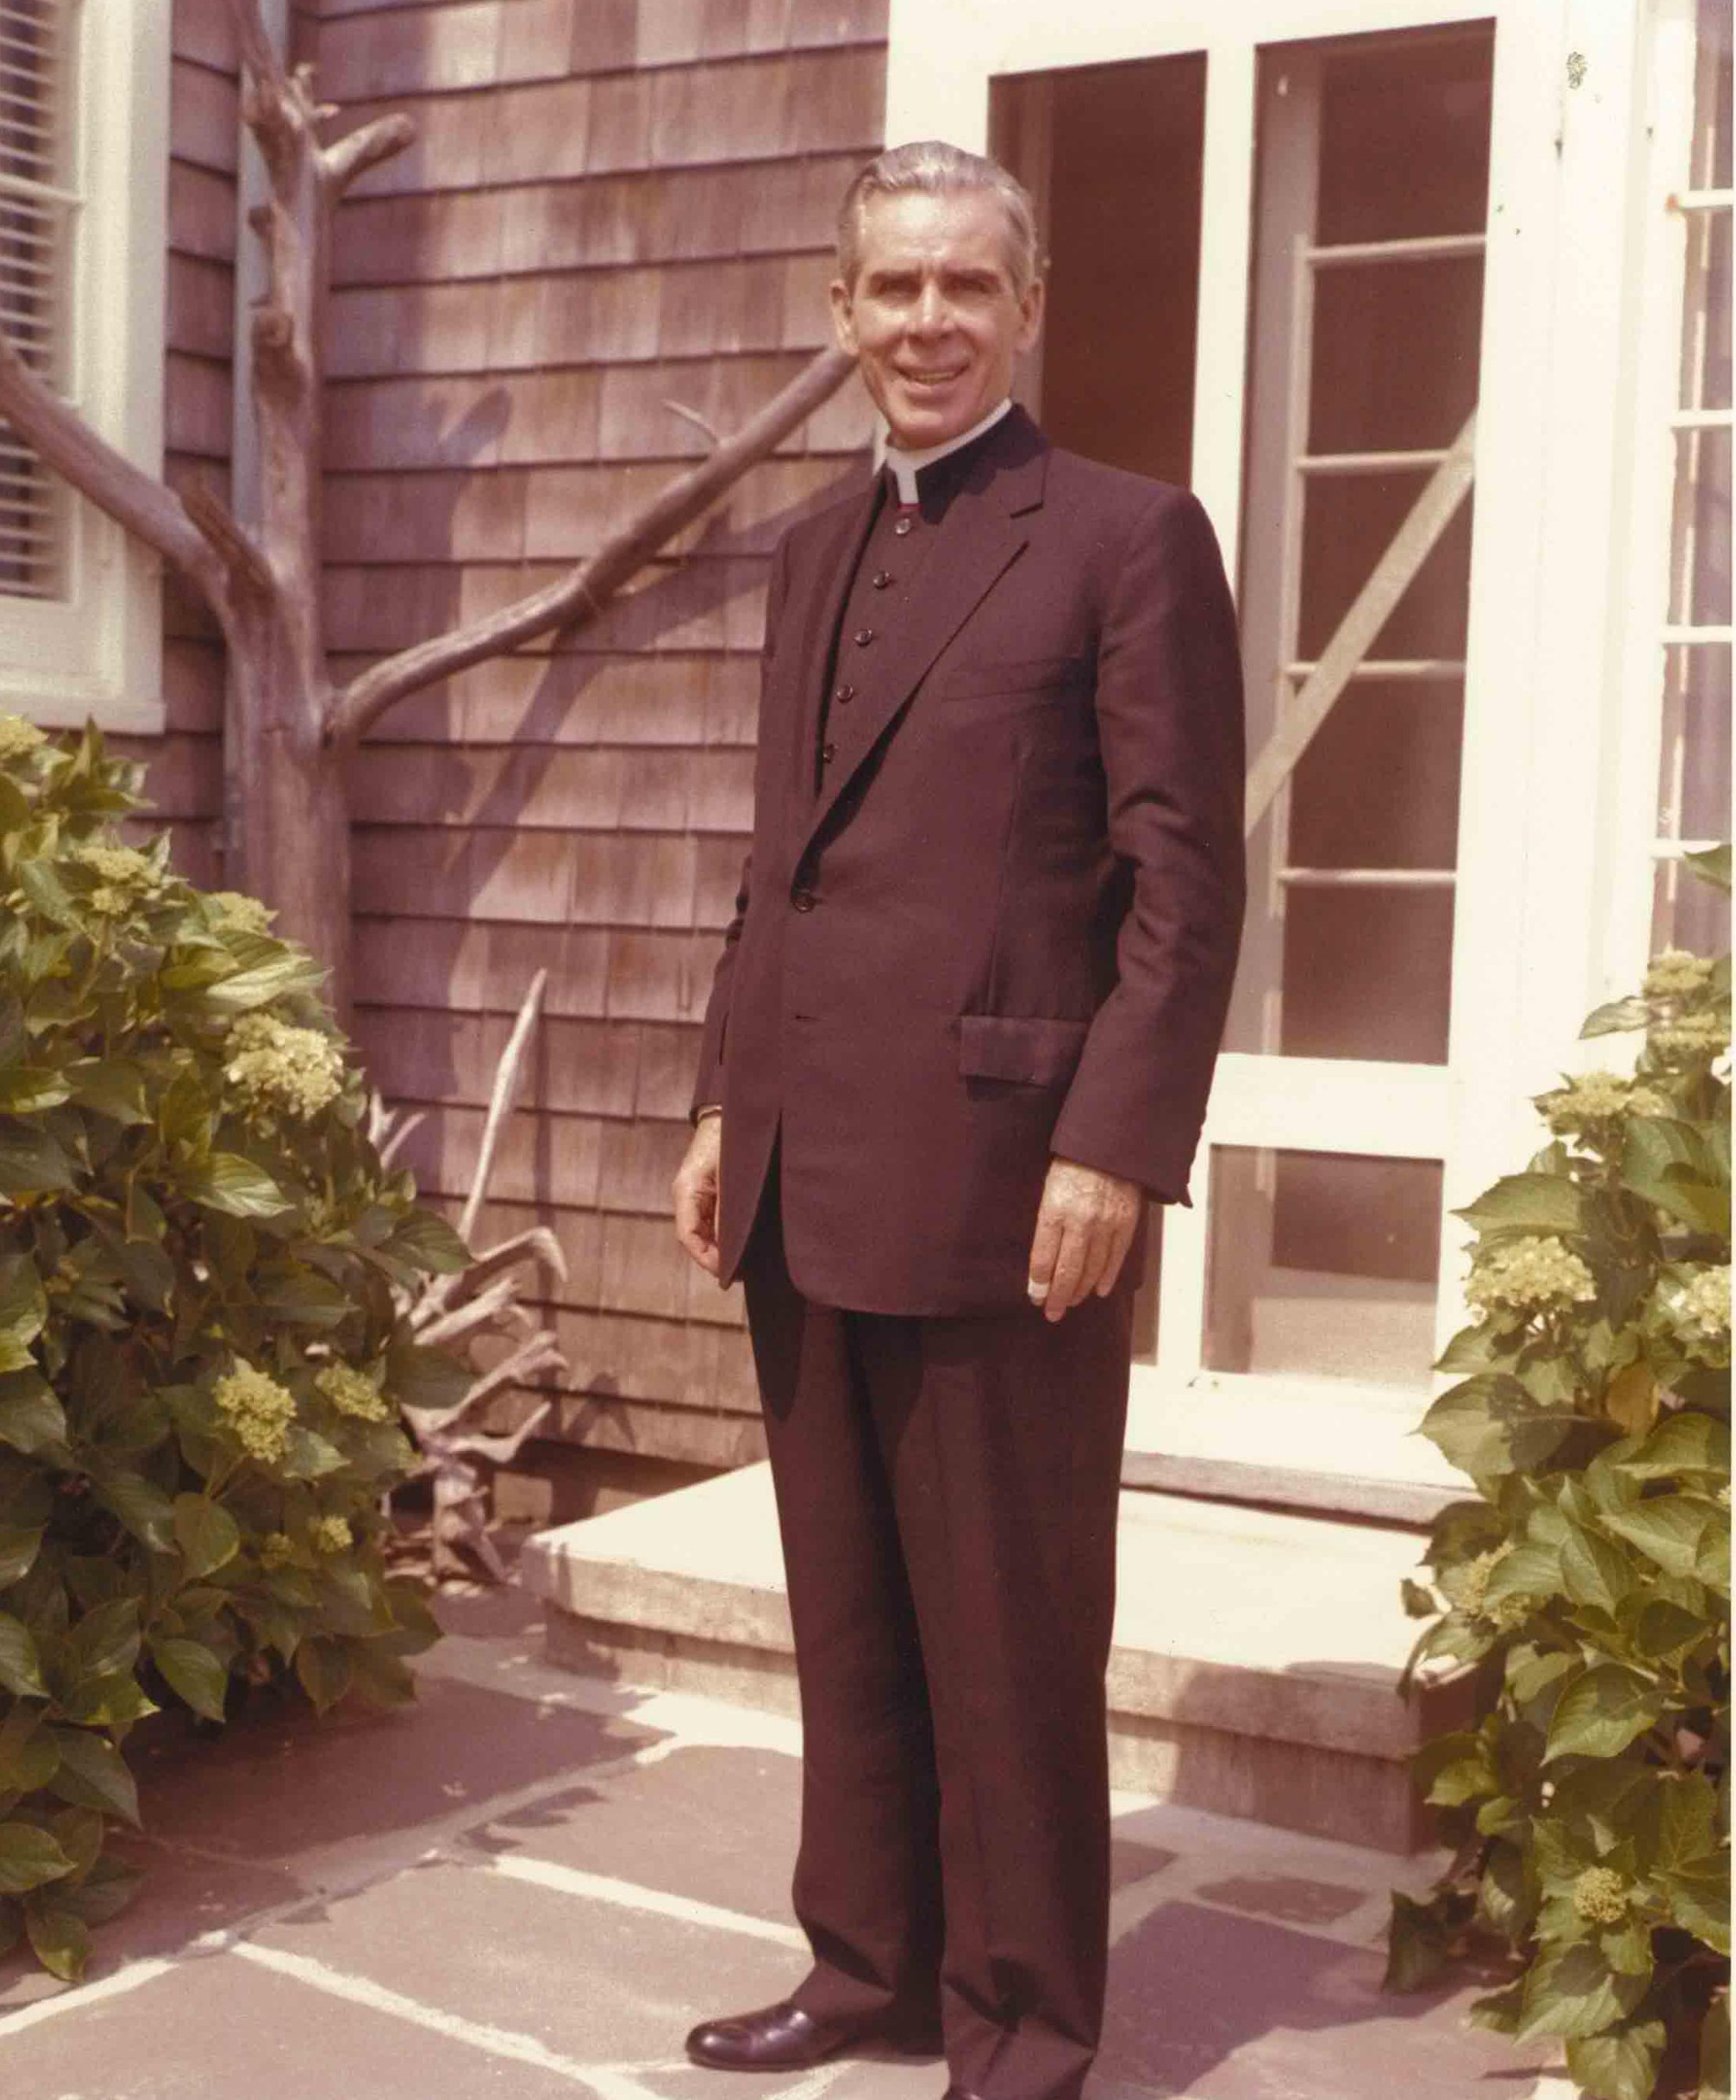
{"x": 1255, "y": 1669}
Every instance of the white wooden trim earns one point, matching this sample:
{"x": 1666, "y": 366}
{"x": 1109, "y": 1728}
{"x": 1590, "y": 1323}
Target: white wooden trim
{"x": 99, "y": 651}
{"x": 1331, "y": 1105}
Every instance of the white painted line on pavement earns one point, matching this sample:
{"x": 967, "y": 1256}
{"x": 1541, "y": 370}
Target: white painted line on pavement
{"x": 630, "y": 1896}
{"x": 79, "y": 1996}
{"x": 495, "y": 2040}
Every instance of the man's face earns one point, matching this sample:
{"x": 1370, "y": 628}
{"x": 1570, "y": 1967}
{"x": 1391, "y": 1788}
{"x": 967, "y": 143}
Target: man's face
{"x": 933, "y": 319}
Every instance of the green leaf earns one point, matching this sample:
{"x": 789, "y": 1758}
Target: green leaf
{"x": 24, "y": 1306}
{"x": 1668, "y": 1163}
{"x": 31, "y": 1162}
{"x": 27, "y": 1089}
{"x": 285, "y": 971}
{"x": 1601, "y": 1712}
{"x": 1572, "y": 1991}
{"x": 1715, "y": 2049}
{"x": 1664, "y": 1629}
{"x": 20, "y": 1667}
{"x": 105, "y": 1641}
{"x": 1523, "y": 1571}
{"x": 31, "y": 1417}
{"x": 144, "y": 1510}
{"x": 18, "y": 1545}
{"x": 323, "y": 1668}
{"x": 1527, "y": 1203}
{"x": 309, "y": 1455}
{"x": 1667, "y": 1530}
{"x": 1617, "y": 1016}
{"x": 1620, "y": 2065}
{"x": 1700, "y": 1903}
{"x": 382, "y": 1679}
{"x": 43, "y": 888}
{"x": 93, "y": 1775}
{"x": 1685, "y": 1442}
{"x": 112, "y": 1087}
{"x": 206, "y": 1533}
{"x": 193, "y": 1673}
{"x": 28, "y": 1753}
{"x": 29, "y": 1857}
{"x": 237, "y": 1187}
{"x": 426, "y": 1242}
{"x": 1489, "y": 1424}
{"x": 1594, "y": 1571}
{"x": 59, "y": 1938}
{"x": 1711, "y": 866}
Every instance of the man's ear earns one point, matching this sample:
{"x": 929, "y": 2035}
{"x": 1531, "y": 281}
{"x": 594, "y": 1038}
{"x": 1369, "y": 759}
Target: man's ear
{"x": 844, "y": 317}
{"x": 1031, "y": 314}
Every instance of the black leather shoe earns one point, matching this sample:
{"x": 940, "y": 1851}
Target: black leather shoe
{"x": 783, "y": 2037}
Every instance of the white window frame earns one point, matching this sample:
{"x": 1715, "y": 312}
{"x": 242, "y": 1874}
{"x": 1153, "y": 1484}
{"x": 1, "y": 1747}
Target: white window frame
{"x": 1543, "y": 691}
{"x": 97, "y": 653}
{"x": 1663, "y": 177}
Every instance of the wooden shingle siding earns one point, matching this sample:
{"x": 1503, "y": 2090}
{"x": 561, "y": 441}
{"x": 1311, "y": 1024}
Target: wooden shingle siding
{"x": 184, "y": 765}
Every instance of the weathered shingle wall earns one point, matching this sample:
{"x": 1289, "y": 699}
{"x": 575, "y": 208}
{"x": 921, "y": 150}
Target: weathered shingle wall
{"x": 184, "y": 778}
{"x": 615, "y": 211}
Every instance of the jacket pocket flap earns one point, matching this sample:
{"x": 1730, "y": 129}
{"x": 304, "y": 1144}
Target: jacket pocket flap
{"x": 1039, "y": 1051}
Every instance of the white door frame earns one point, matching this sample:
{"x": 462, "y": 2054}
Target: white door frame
{"x": 1543, "y": 655}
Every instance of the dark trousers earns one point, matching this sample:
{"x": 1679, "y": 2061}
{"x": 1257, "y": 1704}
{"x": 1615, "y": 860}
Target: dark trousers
{"x": 947, "y": 1495}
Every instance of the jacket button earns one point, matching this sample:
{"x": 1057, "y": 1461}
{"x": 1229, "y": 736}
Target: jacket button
{"x": 882, "y": 577}
{"x": 864, "y": 635}
{"x": 804, "y": 900}
{"x": 843, "y": 695}
{"x": 904, "y": 525}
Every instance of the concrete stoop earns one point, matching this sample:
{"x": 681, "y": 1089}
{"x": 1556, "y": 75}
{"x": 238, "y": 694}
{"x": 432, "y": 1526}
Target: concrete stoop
{"x": 1255, "y": 1669}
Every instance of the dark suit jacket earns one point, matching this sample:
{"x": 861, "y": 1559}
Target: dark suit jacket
{"x": 1006, "y": 926}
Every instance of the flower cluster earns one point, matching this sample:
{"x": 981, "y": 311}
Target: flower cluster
{"x": 257, "y": 1409}
{"x": 332, "y": 1534}
{"x": 1692, "y": 1038}
{"x": 238, "y": 913}
{"x": 353, "y": 1392}
{"x": 1463, "y": 1585}
{"x": 1527, "y": 1277}
{"x": 18, "y": 737}
{"x": 277, "y": 1549}
{"x": 1677, "y": 974}
{"x": 1600, "y": 1896}
{"x": 1596, "y": 1100}
{"x": 1698, "y": 1313}
{"x": 124, "y": 876}
{"x": 280, "y": 1070}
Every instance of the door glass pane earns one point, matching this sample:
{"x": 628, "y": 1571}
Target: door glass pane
{"x": 1322, "y": 1264}
{"x": 1370, "y": 200}
{"x": 1694, "y": 788}
{"x": 1112, "y": 156}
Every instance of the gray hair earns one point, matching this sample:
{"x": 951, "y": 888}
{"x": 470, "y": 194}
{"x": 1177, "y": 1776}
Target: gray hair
{"x": 931, "y": 167}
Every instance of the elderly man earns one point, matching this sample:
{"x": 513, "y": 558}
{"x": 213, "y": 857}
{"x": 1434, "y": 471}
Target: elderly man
{"x": 962, "y": 1028}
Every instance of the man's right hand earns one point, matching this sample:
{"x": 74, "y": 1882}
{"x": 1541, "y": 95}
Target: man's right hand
{"x": 695, "y": 1193}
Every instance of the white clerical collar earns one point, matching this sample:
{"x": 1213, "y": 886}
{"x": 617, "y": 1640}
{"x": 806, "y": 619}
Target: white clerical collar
{"x": 906, "y": 466}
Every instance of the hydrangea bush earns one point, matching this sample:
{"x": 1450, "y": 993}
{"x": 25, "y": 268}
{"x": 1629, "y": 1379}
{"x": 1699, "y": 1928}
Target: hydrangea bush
{"x": 201, "y": 1357}
{"x": 1588, "y": 1580}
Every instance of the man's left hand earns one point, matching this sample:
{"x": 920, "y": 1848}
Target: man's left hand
{"x": 1085, "y": 1227}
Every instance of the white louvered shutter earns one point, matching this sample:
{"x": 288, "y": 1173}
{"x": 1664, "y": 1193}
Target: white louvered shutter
{"x": 37, "y": 207}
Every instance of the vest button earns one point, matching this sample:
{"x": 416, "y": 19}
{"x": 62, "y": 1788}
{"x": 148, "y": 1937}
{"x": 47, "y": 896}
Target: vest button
{"x": 864, "y": 635}
{"x": 904, "y": 525}
{"x": 882, "y": 577}
{"x": 804, "y": 899}
{"x": 843, "y": 695}
{"x": 828, "y": 752}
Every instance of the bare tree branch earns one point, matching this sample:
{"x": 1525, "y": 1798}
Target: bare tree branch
{"x": 352, "y": 155}
{"x": 506, "y": 1082}
{"x": 60, "y": 437}
{"x": 259, "y": 53}
{"x": 581, "y": 595}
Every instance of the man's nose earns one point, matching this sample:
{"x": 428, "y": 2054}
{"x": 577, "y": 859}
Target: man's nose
{"x": 933, "y": 314}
